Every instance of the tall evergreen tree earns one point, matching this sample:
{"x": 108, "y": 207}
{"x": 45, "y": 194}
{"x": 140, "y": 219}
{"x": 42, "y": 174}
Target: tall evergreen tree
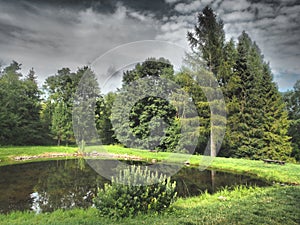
{"x": 247, "y": 133}
{"x": 275, "y": 121}
{"x": 32, "y": 115}
{"x": 10, "y": 97}
{"x": 188, "y": 80}
{"x": 207, "y": 42}
{"x": 292, "y": 99}
{"x": 60, "y": 122}
{"x": 261, "y": 121}
{"x": 85, "y": 108}
{"x": 208, "y": 39}
{"x": 230, "y": 83}
{"x": 20, "y": 108}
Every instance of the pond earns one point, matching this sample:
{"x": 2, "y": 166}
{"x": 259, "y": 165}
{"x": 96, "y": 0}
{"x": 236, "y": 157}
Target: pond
{"x": 49, "y": 185}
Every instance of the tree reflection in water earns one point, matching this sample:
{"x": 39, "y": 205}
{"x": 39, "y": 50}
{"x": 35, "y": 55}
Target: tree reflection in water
{"x": 66, "y": 186}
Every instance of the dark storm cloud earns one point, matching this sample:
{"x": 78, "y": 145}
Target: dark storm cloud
{"x": 56, "y": 33}
{"x": 50, "y": 37}
{"x": 274, "y": 25}
{"x": 158, "y": 7}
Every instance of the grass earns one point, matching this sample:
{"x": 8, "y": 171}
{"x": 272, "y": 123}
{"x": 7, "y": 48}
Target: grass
{"x": 272, "y": 205}
{"x": 7, "y": 153}
{"x": 289, "y": 173}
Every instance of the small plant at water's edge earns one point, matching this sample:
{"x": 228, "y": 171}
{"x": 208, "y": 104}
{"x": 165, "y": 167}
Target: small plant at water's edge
{"x": 127, "y": 195}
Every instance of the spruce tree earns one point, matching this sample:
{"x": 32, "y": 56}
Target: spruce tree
{"x": 230, "y": 84}
{"x": 84, "y": 108}
{"x": 207, "y": 39}
{"x": 207, "y": 42}
{"x": 292, "y": 99}
{"x": 20, "y": 108}
{"x": 275, "y": 121}
{"x": 261, "y": 120}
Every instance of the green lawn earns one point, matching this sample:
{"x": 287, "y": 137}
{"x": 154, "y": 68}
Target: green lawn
{"x": 289, "y": 173}
{"x": 6, "y": 153}
{"x": 272, "y": 205}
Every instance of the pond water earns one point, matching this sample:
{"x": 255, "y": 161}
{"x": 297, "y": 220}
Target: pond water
{"x": 46, "y": 186}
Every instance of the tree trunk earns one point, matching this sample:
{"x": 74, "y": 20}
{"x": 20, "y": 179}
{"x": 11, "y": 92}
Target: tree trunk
{"x": 213, "y": 152}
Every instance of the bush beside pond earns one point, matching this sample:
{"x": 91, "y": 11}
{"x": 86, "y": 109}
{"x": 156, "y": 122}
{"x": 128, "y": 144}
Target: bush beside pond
{"x": 128, "y": 194}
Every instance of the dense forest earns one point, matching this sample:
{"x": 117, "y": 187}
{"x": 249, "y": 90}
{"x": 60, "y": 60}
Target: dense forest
{"x": 261, "y": 121}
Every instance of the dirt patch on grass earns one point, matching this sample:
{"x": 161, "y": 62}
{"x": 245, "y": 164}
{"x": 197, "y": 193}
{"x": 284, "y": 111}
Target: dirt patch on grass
{"x": 76, "y": 155}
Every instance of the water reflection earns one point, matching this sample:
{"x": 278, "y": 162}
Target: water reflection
{"x": 46, "y": 186}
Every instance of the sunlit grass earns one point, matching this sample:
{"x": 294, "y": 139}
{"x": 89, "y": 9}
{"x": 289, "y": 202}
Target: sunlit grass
{"x": 272, "y": 205}
{"x": 288, "y": 173}
{"x": 7, "y": 153}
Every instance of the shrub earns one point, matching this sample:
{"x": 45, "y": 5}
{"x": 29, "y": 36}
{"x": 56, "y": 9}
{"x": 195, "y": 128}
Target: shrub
{"x": 127, "y": 195}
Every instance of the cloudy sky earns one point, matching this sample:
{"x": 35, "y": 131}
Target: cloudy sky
{"x": 49, "y": 35}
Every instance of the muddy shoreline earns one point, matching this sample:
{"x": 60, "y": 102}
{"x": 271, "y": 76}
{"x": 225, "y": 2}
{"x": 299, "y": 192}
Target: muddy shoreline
{"x": 52, "y": 155}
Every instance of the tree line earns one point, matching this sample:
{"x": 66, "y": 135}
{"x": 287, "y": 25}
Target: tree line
{"x": 261, "y": 121}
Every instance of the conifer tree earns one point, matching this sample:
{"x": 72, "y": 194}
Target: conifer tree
{"x": 292, "y": 99}
{"x": 275, "y": 121}
{"x": 207, "y": 42}
{"x": 20, "y": 111}
{"x": 84, "y": 108}
{"x": 208, "y": 39}
{"x": 261, "y": 120}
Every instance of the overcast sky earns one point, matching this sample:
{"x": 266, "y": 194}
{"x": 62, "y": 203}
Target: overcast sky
{"x": 49, "y": 35}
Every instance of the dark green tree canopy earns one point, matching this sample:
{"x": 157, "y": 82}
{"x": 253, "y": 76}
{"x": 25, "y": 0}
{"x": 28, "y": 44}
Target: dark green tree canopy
{"x": 292, "y": 99}
{"x": 142, "y": 115}
{"x": 149, "y": 68}
{"x": 20, "y": 107}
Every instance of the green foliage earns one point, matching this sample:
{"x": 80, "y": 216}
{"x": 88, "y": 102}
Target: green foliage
{"x": 187, "y": 80}
{"x": 208, "y": 38}
{"x": 103, "y": 123}
{"x": 84, "y": 106}
{"x": 128, "y": 195}
{"x": 149, "y": 68}
{"x": 292, "y": 100}
{"x": 60, "y": 90}
{"x": 20, "y": 108}
{"x": 261, "y": 125}
{"x": 61, "y": 122}
{"x": 147, "y": 116}
{"x": 257, "y": 120}
{"x": 66, "y": 98}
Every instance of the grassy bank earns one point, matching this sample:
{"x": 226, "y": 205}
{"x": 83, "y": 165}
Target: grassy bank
{"x": 272, "y": 205}
{"x": 7, "y": 153}
{"x": 289, "y": 173}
